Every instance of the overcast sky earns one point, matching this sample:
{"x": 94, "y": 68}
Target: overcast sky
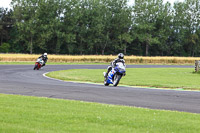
{"x": 5, "y": 3}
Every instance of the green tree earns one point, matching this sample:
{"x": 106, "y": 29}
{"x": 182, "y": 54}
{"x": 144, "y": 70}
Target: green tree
{"x": 192, "y": 26}
{"x": 6, "y": 23}
{"x": 163, "y": 31}
{"x": 145, "y": 16}
{"x": 24, "y": 14}
{"x": 4, "y": 48}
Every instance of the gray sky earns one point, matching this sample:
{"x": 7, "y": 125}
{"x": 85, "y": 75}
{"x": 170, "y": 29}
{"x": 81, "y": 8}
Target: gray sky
{"x": 5, "y": 3}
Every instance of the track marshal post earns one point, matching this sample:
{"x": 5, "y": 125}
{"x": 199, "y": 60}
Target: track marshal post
{"x": 197, "y": 63}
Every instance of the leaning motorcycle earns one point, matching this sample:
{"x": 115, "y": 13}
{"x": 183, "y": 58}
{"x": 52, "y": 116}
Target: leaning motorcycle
{"x": 38, "y": 64}
{"x": 115, "y": 74}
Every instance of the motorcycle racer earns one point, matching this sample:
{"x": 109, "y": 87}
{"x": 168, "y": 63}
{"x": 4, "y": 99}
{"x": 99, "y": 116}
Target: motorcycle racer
{"x": 44, "y": 58}
{"x": 113, "y": 63}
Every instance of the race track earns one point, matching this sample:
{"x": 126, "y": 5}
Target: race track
{"x": 22, "y": 80}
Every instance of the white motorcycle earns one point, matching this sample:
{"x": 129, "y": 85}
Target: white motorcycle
{"x": 38, "y": 64}
{"x": 115, "y": 74}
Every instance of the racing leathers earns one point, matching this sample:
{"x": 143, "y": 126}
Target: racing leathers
{"x": 44, "y": 58}
{"x": 113, "y": 64}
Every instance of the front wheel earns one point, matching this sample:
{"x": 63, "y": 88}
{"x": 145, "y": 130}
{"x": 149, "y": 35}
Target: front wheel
{"x": 116, "y": 79}
{"x": 35, "y": 66}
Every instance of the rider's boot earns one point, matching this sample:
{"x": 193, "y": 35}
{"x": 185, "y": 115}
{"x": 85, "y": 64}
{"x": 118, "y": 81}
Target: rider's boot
{"x": 108, "y": 70}
{"x": 104, "y": 74}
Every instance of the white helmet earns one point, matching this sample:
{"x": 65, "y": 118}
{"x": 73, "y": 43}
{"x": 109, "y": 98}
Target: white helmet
{"x": 45, "y": 54}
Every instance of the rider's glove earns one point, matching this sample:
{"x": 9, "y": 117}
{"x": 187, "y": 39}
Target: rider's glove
{"x": 124, "y": 74}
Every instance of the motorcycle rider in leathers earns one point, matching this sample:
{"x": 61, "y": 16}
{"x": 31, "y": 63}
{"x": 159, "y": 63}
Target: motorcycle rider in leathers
{"x": 113, "y": 63}
{"x": 44, "y": 58}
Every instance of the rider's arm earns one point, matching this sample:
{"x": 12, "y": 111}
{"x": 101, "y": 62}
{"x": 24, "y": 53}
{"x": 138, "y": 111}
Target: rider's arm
{"x": 124, "y": 63}
{"x": 41, "y": 56}
{"x": 44, "y": 59}
{"x": 113, "y": 63}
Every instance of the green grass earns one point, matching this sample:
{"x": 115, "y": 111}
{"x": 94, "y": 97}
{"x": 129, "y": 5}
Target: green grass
{"x": 153, "y": 77}
{"x": 44, "y": 115}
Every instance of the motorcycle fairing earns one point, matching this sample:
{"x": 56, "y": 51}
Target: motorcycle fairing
{"x": 110, "y": 76}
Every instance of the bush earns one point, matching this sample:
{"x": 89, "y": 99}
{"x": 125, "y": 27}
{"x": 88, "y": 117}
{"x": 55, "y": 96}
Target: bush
{"x": 4, "y": 48}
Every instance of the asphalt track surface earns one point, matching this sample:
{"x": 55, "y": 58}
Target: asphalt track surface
{"x": 23, "y": 80}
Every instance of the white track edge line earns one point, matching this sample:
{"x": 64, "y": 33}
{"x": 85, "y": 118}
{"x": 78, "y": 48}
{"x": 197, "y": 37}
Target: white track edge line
{"x": 44, "y": 74}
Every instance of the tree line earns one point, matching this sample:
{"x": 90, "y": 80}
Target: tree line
{"x": 146, "y": 28}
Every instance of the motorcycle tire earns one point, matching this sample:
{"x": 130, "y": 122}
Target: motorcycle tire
{"x": 105, "y": 82}
{"x": 116, "y": 79}
{"x": 35, "y": 67}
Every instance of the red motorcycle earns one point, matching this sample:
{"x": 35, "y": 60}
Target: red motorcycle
{"x": 38, "y": 64}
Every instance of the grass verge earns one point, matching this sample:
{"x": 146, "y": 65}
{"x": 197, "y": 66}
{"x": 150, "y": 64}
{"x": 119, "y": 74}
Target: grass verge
{"x": 181, "y": 78}
{"x": 32, "y": 114}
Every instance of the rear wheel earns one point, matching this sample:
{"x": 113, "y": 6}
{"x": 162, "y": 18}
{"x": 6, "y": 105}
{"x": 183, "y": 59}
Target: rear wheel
{"x": 116, "y": 79}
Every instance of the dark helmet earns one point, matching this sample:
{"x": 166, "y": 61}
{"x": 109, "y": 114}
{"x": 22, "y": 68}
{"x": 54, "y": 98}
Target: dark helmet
{"x": 121, "y": 56}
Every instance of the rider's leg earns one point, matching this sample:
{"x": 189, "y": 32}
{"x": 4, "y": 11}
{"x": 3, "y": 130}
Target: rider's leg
{"x": 108, "y": 70}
